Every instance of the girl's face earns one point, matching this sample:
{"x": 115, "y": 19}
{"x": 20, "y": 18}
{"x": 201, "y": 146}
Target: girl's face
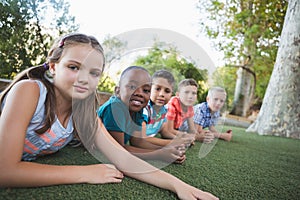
{"x": 216, "y": 101}
{"x": 188, "y": 95}
{"x": 134, "y": 89}
{"x": 161, "y": 91}
{"x": 77, "y": 73}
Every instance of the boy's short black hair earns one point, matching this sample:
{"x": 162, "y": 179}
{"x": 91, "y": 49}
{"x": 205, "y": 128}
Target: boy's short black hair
{"x": 131, "y": 68}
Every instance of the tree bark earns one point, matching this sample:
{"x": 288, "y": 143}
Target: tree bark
{"x": 242, "y": 94}
{"x": 280, "y": 111}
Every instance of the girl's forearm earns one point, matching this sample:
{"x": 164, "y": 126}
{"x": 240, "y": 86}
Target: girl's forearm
{"x": 159, "y": 179}
{"x": 30, "y": 174}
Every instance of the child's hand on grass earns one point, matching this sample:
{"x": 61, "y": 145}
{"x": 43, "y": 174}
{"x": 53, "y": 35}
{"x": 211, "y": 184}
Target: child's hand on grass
{"x": 187, "y": 138}
{"x": 208, "y": 137}
{"x": 172, "y": 154}
{"x": 189, "y": 192}
{"x": 102, "y": 173}
{"x": 205, "y": 136}
{"x": 228, "y": 135}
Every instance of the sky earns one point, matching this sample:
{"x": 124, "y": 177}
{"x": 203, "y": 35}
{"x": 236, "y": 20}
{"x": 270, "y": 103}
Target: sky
{"x": 113, "y": 17}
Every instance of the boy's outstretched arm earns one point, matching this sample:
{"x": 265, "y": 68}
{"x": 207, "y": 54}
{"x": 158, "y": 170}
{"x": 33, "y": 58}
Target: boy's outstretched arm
{"x": 224, "y": 136}
{"x": 191, "y": 125}
{"x": 159, "y": 141}
{"x": 168, "y": 130}
{"x": 139, "y": 139}
{"x": 164, "y": 154}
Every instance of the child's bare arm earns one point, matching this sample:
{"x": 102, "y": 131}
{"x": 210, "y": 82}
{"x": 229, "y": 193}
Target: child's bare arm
{"x": 169, "y": 155}
{"x": 224, "y": 136}
{"x": 143, "y": 143}
{"x": 159, "y": 141}
{"x": 119, "y": 137}
{"x": 139, "y": 139}
{"x": 168, "y": 130}
{"x": 192, "y": 128}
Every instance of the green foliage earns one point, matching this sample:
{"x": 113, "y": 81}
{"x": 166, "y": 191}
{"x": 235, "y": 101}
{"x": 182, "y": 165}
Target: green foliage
{"x": 225, "y": 77}
{"x": 106, "y": 84}
{"x": 163, "y": 56}
{"x": 245, "y": 28}
{"x": 113, "y": 48}
{"x": 26, "y": 33}
{"x": 12, "y": 51}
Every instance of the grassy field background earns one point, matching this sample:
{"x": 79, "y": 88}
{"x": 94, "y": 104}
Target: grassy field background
{"x": 248, "y": 167}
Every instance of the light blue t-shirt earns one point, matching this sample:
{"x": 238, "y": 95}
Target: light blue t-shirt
{"x": 154, "y": 120}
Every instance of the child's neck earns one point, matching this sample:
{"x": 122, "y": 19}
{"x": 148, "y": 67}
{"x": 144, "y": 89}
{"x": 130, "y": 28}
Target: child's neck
{"x": 156, "y": 108}
{"x": 184, "y": 108}
{"x": 211, "y": 112}
{"x": 131, "y": 113}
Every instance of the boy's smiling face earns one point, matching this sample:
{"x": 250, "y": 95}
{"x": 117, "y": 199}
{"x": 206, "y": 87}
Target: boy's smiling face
{"x": 134, "y": 89}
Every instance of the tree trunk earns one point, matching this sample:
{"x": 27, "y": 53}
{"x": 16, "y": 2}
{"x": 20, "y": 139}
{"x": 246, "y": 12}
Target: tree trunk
{"x": 280, "y": 111}
{"x": 242, "y": 93}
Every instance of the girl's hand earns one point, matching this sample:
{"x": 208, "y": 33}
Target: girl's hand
{"x": 102, "y": 173}
{"x": 190, "y": 192}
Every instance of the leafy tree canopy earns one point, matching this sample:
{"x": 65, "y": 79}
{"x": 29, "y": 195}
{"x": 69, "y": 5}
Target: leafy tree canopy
{"x": 26, "y": 32}
{"x": 244, "y": 29}
{"x": 113, "y": 50}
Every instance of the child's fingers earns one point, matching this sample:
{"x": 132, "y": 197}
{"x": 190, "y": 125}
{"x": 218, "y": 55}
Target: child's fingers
{"x": 113, "y": 171}
{"x": 208, "y": 137}
{"x": 180, "y": 160}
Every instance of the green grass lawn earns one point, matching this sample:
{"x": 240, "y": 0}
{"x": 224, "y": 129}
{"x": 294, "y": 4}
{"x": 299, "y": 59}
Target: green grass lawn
{"x": 248, "y": 167}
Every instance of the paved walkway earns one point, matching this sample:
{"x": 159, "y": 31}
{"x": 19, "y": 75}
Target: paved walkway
{"x": 232, "y": 120}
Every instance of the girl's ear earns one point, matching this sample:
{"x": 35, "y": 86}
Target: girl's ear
{"x": 52, "y": 68}
{"x": 117, "y": 91}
